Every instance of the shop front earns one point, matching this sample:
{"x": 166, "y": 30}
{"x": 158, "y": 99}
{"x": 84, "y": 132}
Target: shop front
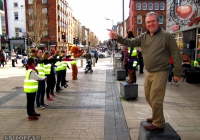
{"x": 17, "y": 44}
{"x": 185, "y": 26}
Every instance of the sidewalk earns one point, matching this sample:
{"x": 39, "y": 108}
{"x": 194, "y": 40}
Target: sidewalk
{"x": 91, "y": 108}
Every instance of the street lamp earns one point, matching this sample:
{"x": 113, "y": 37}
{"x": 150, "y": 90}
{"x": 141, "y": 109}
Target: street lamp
{"x": 110, "y": 20}
{"x": 123, "y": 16}
{"x": 113, "y": 47}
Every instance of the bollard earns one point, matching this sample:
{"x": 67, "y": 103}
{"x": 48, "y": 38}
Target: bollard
{"x": 94, "y": 61}
{"x": 81, "y": 62}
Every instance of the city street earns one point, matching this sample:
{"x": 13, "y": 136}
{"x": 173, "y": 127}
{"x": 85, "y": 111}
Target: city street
{"x": 91, "y": 108}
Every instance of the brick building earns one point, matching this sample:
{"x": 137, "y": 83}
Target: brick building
{"x": 137, "y": 13}
{"x": 56, "y": 21}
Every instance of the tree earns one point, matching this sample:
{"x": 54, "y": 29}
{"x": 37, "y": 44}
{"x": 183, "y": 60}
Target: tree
{"x": 36, "y": 21}
{"x": 79, "y": 33}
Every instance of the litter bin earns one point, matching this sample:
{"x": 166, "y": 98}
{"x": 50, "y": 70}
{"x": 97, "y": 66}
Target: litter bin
{"x": 118, "y": 64}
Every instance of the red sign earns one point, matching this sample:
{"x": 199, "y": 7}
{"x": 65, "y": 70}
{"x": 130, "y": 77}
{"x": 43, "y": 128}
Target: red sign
{"x": 175, "y": 28}
{"x": 194, "y": 20}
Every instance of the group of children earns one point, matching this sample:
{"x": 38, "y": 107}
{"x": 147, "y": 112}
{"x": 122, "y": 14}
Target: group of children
{"x": 43, "y": 72}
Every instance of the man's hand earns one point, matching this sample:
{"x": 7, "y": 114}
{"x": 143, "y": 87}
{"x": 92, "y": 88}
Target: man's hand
{"x": 176, "y": 78}
{"x": 112, "y": 34}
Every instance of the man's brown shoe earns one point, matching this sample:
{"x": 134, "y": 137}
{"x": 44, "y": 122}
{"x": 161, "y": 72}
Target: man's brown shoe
{"x": 151, "y": 127}
{"x": 150, "y": 120}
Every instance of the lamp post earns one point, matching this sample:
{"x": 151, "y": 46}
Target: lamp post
{"x": 113, "y": 47}
{"x": 123, "y": 16}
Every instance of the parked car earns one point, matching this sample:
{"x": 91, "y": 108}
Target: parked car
{"x": 101, "y": 54}
{"x": 19, "y": 56}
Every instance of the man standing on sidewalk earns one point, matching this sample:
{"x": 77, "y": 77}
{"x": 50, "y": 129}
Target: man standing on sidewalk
{"x": 157, "y": 46}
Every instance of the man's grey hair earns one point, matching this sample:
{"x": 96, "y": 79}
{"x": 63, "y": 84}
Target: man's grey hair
{"x": 152, "y": 13}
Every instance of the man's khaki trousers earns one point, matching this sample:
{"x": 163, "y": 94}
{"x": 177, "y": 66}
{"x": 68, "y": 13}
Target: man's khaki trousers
{"x": 154, "y": 87}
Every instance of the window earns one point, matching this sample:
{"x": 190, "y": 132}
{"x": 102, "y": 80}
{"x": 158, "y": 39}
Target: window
{"x": 45, "y": 22}
{"x": 138, "y": 6}
{"x": 161, "y": 19}
{"x": 155, "y": 6}
{"x": 162, "y": 6}
{"x": 16, "y": 15}
{"x": 30, "y": 1}
{"x": 45, "y": 33}
{"x": 150, "y": 6}
{"x": 16, "y": 32}
{"x": 30, "y": 11}
{"x": 144, "y": 6}
{"x": 139, "y": 19}
{"x": 15, "y": 4}
{"x": 30, "y": 22}
{"x": 44, "y": 1}
{"x": 44, "y": 10}
{"x": 139, "y": 31}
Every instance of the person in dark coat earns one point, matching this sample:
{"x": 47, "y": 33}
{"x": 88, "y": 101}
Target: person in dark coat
{"x": 140, "y": 60}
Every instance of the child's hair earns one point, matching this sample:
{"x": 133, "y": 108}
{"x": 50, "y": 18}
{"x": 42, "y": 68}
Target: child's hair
{"x": 62, "y": 51}
{"x": 45, "y": 55}
{"x": 57, "y": 53}
{"x": 30, "y": 61}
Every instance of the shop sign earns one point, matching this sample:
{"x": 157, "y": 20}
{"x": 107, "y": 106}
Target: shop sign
{"x": 185, "y": 11}
{"x": 194, "y": 20}
{"x": 175, "y": 28}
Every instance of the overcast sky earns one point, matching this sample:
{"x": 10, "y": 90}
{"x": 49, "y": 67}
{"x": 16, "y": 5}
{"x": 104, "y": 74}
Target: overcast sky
{"x": 92, "y": 14}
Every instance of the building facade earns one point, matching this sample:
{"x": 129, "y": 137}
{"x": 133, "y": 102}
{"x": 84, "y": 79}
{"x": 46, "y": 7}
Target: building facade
{"x": 184, "y": 23}
{"x": 70, "y": 27}
{"x": 137, "y": 13}
{"x": 54, "y": 25}
{"x": 14, "y": 26}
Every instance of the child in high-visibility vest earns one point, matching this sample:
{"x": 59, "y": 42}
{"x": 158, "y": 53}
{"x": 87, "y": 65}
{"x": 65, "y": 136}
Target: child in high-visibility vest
{"x": 30, "y": 88}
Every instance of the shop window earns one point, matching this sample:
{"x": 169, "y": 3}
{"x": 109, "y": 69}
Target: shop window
{"x": 198, "y": 48}
{"x": 155, "y": 6}
{"x": 138, "y": 6}
{"x": 179, "y": 40}
{"x": 139, "y": 19}
{"x": 144, "y": 6}
{"x": 150, "y": 6}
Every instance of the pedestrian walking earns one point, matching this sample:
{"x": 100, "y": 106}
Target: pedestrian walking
{"x": 2, "y": 58}
{"x": 31, "y": 87}
{"x": 157, "y": 46}
{"x": 5, "y": 57}
{"x": 140, "y": 61}
{"x": 13, "y": 57}
{"x": 170, "y": 77}
{"x": 16, "y": 57}
{"x": 96, "y": 55}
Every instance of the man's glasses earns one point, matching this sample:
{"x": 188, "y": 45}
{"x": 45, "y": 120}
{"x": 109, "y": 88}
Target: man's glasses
{"x": 153, "y": 21}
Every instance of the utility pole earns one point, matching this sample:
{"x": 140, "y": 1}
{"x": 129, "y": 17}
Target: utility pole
{"x": 123, "y": 16}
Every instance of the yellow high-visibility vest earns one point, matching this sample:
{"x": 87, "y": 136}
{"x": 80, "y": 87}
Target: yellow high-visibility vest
{"x": 30, "y": 86}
